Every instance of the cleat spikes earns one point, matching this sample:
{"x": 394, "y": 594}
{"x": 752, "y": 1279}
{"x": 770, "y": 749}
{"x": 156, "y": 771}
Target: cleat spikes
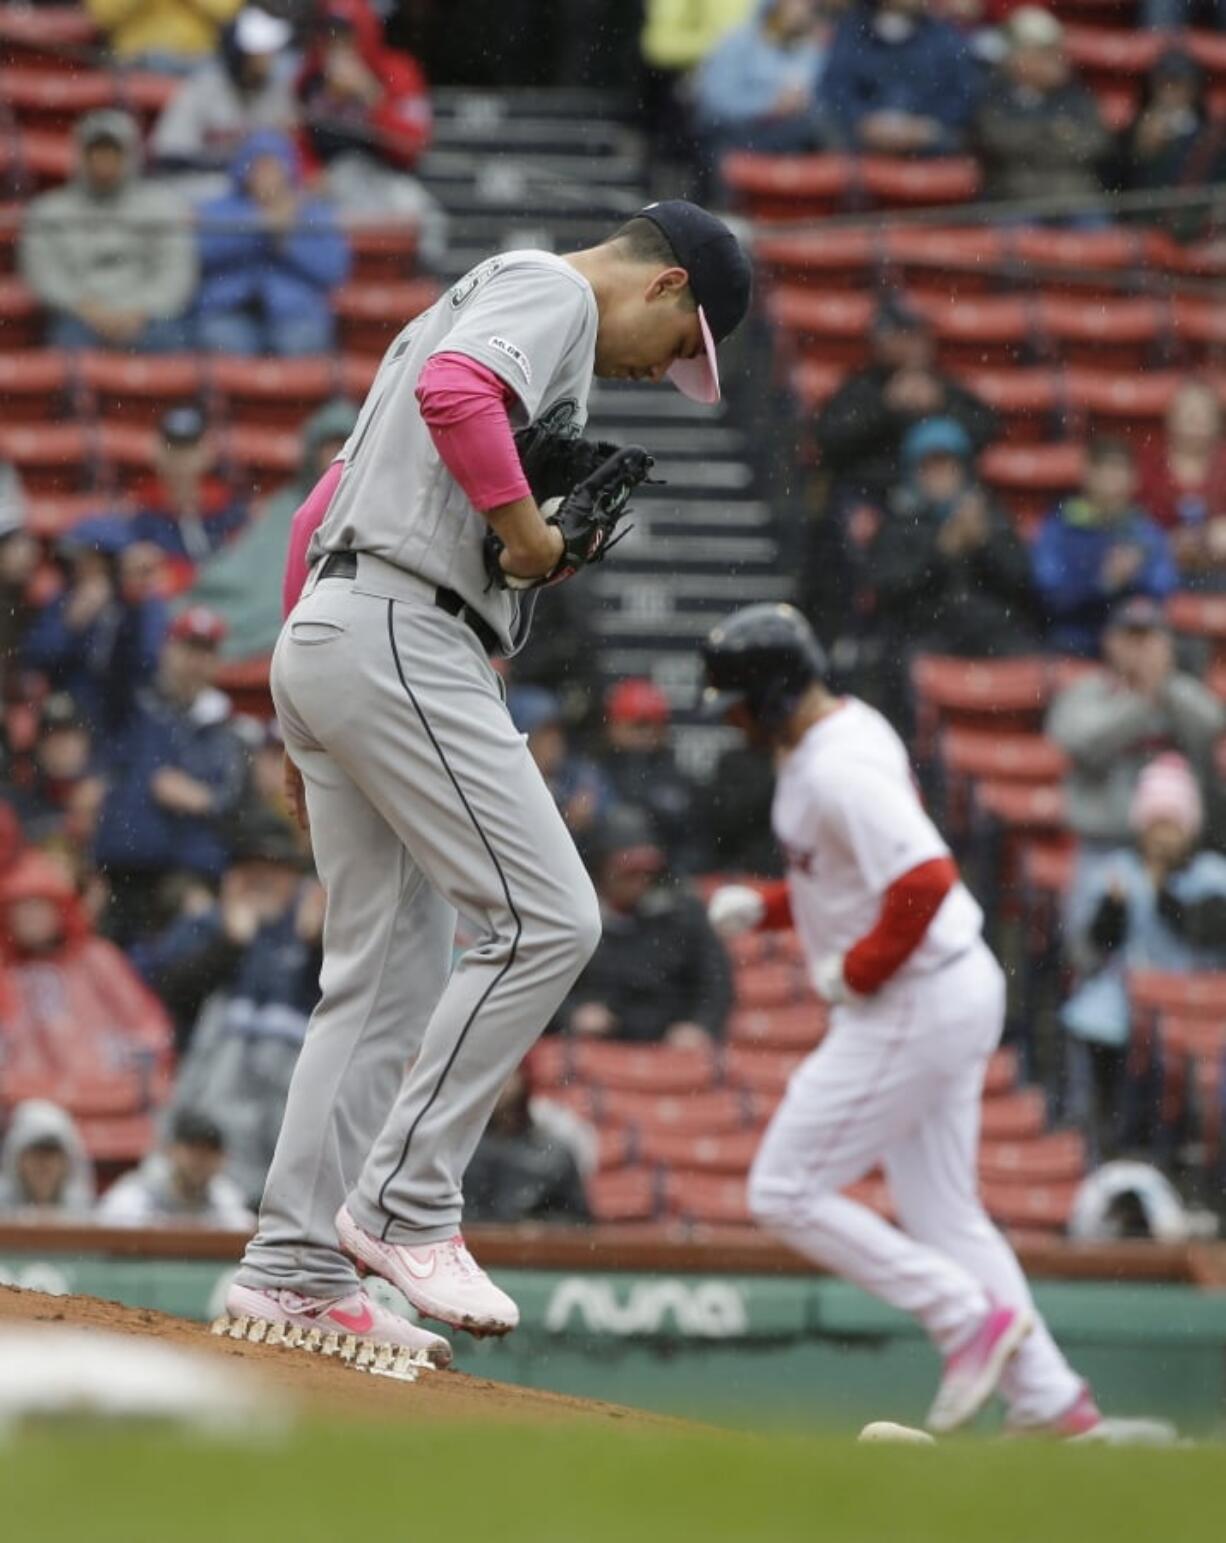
{"x": 275, "y": 1335}
{"x": 331, "y": 1344}
{"x": 383, "y": 1358}
{"x": 238, "y": 1327}
{"x": 293, "y": 1336}
{"x": 258, "y": 1330}
{"x": 365, "y": 1355}
{"x": 314, "y": 1339}
{"x": 405, "y": 1365}
{"x": 220, "y": 1325}
{"x": 349, "y": 1348}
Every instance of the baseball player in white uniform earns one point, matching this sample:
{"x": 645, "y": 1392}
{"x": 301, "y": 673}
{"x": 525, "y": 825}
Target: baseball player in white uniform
{"x": 423, "y": 801}
{"x": 893, "y": 941}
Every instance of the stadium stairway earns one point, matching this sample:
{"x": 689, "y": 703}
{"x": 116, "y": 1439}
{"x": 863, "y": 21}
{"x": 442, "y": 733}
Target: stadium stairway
{"x": 559, "y": 169}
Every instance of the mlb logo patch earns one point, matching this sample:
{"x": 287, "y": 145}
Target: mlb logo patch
{"x": 516, "y": 355}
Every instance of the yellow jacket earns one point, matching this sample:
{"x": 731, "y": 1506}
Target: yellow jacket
{"x": 678, "y": 33}
{"x": 180, "y": 27}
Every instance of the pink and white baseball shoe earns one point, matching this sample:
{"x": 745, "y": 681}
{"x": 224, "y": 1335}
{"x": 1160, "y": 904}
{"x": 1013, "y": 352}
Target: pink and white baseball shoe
{"x": 1082, "y": 1418}
{"x": 356, "y": 1321}
{"x": 442, "y": 1280}
{"x": 974, "y": 1369}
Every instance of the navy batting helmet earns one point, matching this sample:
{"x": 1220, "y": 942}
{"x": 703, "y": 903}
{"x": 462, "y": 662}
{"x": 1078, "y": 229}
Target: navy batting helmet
{"x": 763, "y": 657}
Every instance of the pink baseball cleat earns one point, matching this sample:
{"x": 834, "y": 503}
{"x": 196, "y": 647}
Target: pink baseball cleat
{"x": 442, "y": 1280}
{"x": 1082, "y": 1417}
{"x": 356, "y": 1321}
{"x": 972, "y": 1371}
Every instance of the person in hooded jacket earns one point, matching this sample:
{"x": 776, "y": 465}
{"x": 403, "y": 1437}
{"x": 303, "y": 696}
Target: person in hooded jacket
{"x": 366, "y": 120}
{"x": 45, "y": 1171}
{"x": 244, "y": 87}
{"x": 110, "y": 254}
{"x": 270, "y": 258}
{"x": 77, "y": 1025}
{"x": 181, "y": 1184}
{"x": 234, "y": 581}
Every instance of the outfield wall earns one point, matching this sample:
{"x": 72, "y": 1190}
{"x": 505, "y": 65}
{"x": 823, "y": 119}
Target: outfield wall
{"x": 744, "y": 1344}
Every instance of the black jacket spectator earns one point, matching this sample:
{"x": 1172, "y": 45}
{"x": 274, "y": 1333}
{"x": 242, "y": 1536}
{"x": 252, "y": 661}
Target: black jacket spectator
{"x": 639, "y": 763}
{"x": 950, "y": 572}
{"x": 660, "y": 973}
{"x": 522, "y": 1171}
{"x": 860, "y": 430}
{"x": 1174, "y": 141}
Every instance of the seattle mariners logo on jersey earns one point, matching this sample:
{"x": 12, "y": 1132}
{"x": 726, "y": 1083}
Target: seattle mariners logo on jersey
{"x": 472, "y": 281}
{"x": 561, "y": 418}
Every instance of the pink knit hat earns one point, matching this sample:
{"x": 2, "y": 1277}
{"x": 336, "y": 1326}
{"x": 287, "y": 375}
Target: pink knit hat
{"x": 1167, "y": 790}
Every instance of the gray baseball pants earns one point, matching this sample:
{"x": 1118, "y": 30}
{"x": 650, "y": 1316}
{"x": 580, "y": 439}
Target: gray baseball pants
{"x": 423, "y": 802}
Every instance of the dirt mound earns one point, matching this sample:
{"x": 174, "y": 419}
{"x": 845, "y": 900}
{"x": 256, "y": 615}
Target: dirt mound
{"x": 323, "y": 1386}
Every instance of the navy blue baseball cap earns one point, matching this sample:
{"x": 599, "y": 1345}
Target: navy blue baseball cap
{"x": 720, "y": 277}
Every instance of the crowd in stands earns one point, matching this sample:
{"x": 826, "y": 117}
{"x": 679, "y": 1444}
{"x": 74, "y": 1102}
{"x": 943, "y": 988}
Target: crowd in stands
{"x": 160, "y": 922}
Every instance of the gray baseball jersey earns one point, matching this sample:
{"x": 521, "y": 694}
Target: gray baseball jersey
{"x": 531, "y": 319}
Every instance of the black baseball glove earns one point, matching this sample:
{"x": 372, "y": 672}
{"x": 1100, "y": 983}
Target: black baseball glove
{"x": 554, "y": 464}
{"x": 587, "y": 516}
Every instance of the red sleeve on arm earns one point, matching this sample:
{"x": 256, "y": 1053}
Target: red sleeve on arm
{"x": 909, "y": 905}
{"x": 778, "y": 901}
{"x": 464, "y": 406}
{"x": 306, "y": 522}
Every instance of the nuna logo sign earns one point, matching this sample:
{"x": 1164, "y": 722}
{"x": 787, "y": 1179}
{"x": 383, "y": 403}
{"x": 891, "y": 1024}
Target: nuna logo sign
{"x": 710, "y": 1309}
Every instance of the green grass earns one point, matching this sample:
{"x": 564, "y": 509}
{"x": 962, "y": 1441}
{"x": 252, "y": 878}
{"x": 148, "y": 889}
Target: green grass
{"x": 596, "y": 1485}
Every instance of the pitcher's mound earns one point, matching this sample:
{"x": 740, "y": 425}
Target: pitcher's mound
{"x": 323, "y": 1387}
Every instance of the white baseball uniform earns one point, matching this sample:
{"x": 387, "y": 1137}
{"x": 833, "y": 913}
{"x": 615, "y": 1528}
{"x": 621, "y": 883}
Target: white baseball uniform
{"x": 898, "y": 1080}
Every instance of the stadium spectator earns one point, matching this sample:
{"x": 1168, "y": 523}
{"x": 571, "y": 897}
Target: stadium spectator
{"x": 1038, "y": 130}
{"x": 366, "y": 120}
{"x": 948, "y": 570}
{"x": 524, "y": 1169}
{"x": 1182, "y": 482}
{"x": 1172, "y": 15}
{"x": 736, "y": 814}
{"x": 241, "y": 979}
{"x": 860, "y": 430}
{"x": 110, "y": 253}
{"x": 234, "y": 581}
{"x": 1174, "y": 139}
{"x": 659, "y": 974}
{"x": 758, "y": 87}
{"x": 19, "y": 560}
{"x": 167, "y": 36}
{"x": 176, "y": 775}
{"x": 245, "y": 87}
{"x": 77, "y": 1026}
{"x": 578, "y": 785}
{"x": 45, "y": 1171}
{"x": 98, "y": 639}
{"x": 1111, "y": 722}
{"x": 1097, "y": 549}
{"x": 638, "y": 761}
{"x": 899, "y": 82}
{"x": 186, "y": 509}
{"x": 1159, "y": 904}
{"x": 62, "y": 759}
{"x": 182, "y": 1184}
{"x": 269, "y": 258}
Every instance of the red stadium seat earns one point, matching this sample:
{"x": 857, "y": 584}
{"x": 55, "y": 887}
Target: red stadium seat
{"x": 960, "y": 262}
{"x": 146, "y": 94}
{"x": 1209, "y": 51}
{"x": 994, "y": 332}
{"x": 1046, "y": 1206}
{"x": 614, "y": 1148}
{"x": 899, "y": 183}
{"x": 824, "y": 260}
{"x": 704, "y": 1197}
{"x": 33, "y": 159}
{"x": 34, "y": 385}
{"x": 1107, "y": 58}
{"x": 10, "y": 230}
{"x": 19, "y": 316}
{"x": 623, "y": 1195}
{"x": 370, "y": 315}
{"x": 770, "y": 985}
{"x": 1114, "y": 334}
{"x": 835, "y": 328}
{"x": 267, "y": 456}
{"x": 799, "y": 1027}
{"x": 126, "y": 451}
{"x": 550, "y": 1062}
{"x": 773, "y": 946}
{"x": 245, "y": 682}
{"x": 50, "y": 457}
{"x": 1048, "y": 867}
{"x": 1004, "y": 757}
{"x": 1032, "y": 477}
{"x": 784, "y": 187}
{"x": 1202, "y": 616}
{"x": 53, "y": 513}
{"x": 278, "y": 392}
{"x": 1016, "y": 1116}
{"x": 642, "y": 1068}
{"x": 732, "y": 1153}
{"x": 1021, "y": 806}
{"x": 357, "y": 374}
{"x": 1199, "y": 992}
{"x": 1112, "y": 403}
{"x": 721, "y": 1109}
{"x": 1031, "y": 402}
{"x": 54, "y": 35}
{"x": 383, "y": 253}
{"x": 1069, "y": 261}
{"x": 137, "y": 388}
{"x": 760, "y": 1071}
{"x": 814, "y": 383}
{"x": 990, "y": 693}
{"x": 52, "y": 99}
{"x": 1200, "y": 327}
{"x": 1058, "y": 1157}
{"x": 117, "y": 1139}
{"x": 1002, "y": 1073}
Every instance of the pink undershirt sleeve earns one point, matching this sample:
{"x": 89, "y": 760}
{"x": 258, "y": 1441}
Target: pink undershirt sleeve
{"x": 464, "y": 406}
{"x": 306, "y": 522}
